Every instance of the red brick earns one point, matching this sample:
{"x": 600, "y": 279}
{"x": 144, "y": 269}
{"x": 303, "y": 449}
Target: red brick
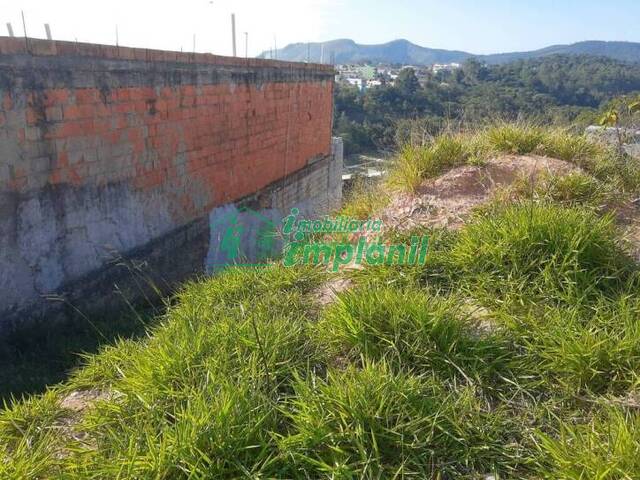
{"x": 10, "y": 45}
{"x": 77, "y": 112}
{"x": 87, "y": 95}
{"x": 233, "y": 138}
{"x": 56, "y": 97}
{"x": 7, "y": 102}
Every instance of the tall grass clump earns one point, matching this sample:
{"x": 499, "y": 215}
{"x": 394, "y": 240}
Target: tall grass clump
{"x": 416, "y": 163}
{"x": 373, "y": 422}
{"x": 412, "y": 331}
{"x": 543, "y": 249}
{"x": 573, "y": 189}
{"x": 606, "y": 447}
{"x": 363, "y": 200}
{"x": 517, "y": 139}
{"x": 579, "y": 350}
{"x": 199, "y": 395}
{"x": 602, "y": 161}
{"x": 568, "y": 146}
{"x": 436, "y": 276}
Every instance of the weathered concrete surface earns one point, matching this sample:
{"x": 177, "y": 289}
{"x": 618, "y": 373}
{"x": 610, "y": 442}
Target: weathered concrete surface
{"x": 314, "y": 191}
{"x": 629, "y": 137}
{"x": 110, "y": 156}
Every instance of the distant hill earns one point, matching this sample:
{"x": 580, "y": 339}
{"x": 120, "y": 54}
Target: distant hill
{"x": 407, "y": 53}
{"x": 623, "y": 51}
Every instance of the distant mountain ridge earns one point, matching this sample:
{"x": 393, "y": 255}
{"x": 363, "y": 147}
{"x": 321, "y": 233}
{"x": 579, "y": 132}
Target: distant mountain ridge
{"x": 407, "y": 53}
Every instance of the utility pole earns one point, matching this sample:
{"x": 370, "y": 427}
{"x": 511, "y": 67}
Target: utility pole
{"x": 233, "y": 32}
{"x": 47, "y": 30}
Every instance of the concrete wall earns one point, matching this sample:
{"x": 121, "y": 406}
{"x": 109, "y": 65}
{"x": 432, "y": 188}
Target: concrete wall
{"x": 611, "y": 135}
{"x": 116, "y": 153}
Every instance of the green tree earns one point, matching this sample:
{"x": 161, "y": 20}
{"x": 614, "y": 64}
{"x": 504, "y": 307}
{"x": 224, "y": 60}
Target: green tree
{"x": 407, "y": 82}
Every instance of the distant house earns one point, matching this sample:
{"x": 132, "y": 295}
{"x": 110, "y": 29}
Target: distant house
{"x": 366, "y": 72}
{"x": 439, "y": 67}
{"x": 355, "y": 81}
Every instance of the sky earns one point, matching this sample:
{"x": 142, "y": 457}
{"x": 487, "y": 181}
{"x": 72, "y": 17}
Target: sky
{"x": 489, "y": 26}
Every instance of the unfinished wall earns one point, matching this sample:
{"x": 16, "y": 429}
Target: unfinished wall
{"x": 110, "y": 152}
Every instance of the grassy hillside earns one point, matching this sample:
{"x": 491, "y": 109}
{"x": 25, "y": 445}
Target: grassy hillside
{"x": 514, "y": 352}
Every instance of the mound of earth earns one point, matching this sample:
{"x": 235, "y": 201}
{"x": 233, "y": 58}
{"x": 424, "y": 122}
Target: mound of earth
{"x": 446, "y": 200}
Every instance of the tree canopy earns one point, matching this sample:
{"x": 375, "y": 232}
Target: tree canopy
{"x": 555, "y": 90}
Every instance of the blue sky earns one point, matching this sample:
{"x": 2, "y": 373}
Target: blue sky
{"x": 488, "y": 26}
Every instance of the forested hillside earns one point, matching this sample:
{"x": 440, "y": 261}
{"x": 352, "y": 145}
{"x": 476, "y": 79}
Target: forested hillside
{"x": 554, "y": 90}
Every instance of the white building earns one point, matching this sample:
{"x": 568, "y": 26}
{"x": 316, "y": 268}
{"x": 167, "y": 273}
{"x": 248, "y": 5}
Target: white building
{"x": 439, "y": 67}
{"x": 355, "y": 81}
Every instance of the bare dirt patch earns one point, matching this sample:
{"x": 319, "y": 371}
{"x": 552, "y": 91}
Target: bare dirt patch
{"x": 80, "y": 400}
{"x": 327, "y": 293}
{"x": 77, "y": 403}
{"x": 446, "y": 201}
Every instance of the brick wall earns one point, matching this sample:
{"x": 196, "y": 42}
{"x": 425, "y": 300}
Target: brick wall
{"x": 105, "y": 149}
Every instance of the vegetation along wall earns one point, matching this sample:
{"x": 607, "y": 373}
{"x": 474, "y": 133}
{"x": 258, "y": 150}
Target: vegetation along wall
{"x": 110, "y": 154}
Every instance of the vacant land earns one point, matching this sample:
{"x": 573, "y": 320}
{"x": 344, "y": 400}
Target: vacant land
{"x": 515, "y": 352}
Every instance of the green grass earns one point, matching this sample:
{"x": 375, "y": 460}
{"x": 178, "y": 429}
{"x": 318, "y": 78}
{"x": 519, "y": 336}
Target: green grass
{"x": 514, "y": 352}
{"x": 544, "y": 251}
{"x": 363, "y": 200}
{"x": 414, "y": 164}
{"x": 373, "y": 422}
{"x": 411, "y": 332}
{"x": 607, "y": 447}
{"x": 573, "y": 189}
{"x": 581, "y": 350}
